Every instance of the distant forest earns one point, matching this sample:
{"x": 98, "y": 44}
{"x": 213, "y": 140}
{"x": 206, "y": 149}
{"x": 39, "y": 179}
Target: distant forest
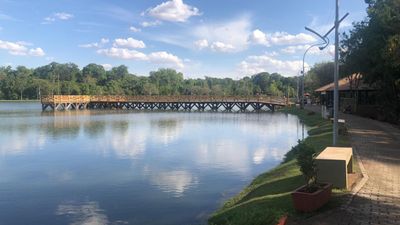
{"x": 69, "y": 79}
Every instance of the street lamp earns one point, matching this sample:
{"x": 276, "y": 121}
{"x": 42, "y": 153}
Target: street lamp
{"x": 303, "y": 71}
{"x": 336, "y": 72}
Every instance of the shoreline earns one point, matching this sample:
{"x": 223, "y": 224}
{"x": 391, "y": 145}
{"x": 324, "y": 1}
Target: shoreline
{"x": 267, "y": 198}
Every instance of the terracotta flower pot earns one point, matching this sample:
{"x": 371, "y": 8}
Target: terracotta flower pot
{"x": 282, "y": 220}
{"x": 308, "y": 202}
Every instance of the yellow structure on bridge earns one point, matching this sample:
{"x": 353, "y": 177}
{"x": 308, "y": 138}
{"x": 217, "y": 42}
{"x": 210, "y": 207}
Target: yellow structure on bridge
{"x": 186, "y": 102}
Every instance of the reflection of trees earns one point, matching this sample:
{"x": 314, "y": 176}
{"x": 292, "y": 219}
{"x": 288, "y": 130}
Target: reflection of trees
{"x": 21, "y": 128}
{"x": 165, "y": 123}
{"x": 56, "y": 131}
{"x": 167, "y": 129}
{"x": 69, "y": 122}
{"x": 94, "y": 128}
{"x": 120, "y": 127}
{"x": 61, "y": 123}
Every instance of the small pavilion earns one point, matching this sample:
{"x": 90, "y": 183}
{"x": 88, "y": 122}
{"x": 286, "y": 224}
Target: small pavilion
{"x": 355, "y": 96}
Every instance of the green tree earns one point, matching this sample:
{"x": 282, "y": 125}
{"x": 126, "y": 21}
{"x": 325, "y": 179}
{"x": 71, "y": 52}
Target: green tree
{"x": 319, "y": 75}
{"x": 168, "y": 81}
{"x": 22, "y": 76}
{"x": 93, "y": 73}
{"x": 372, "y": 48}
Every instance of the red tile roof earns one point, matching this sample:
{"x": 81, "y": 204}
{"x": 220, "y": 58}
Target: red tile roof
{"x": 344, "y": 85}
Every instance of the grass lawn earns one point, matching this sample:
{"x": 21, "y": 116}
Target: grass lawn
{"x": 268, "y": 198}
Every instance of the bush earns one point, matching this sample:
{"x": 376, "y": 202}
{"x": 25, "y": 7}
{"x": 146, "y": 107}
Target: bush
{"x": 305, "y": 159}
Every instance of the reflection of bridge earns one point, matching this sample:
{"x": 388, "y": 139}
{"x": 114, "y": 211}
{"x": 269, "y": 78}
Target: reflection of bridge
{"x": 201, "y": 103}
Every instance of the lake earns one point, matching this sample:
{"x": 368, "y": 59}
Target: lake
{"x": 131, "y": 167}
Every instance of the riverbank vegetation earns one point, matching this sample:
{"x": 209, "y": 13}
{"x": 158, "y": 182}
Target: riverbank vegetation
{"x": 268, "y": 198}
{"x": 93, "y": 79}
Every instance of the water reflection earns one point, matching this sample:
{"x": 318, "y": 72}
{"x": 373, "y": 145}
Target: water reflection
{"x": 16, "y": 142}
{"x": 167, "y": 130}
{"x": 86, "y": 213}
{"x": 227, "y": 154}
{"x": 126, "y": 145}
{"x": 118, "y": 159}
{"x": 175, "y": 182}
{"x": 259, "y": 155}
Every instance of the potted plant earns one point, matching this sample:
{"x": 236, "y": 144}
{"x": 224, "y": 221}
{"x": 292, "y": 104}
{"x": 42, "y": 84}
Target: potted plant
{"x": 312, "y": 195}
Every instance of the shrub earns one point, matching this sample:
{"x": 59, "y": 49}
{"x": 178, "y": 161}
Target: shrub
{"x": 305, "y": 159}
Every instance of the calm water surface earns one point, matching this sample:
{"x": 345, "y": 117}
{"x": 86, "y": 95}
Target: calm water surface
{"x": 125, "y": 167}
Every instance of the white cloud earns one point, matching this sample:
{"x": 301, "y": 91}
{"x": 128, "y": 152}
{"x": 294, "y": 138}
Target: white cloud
{"x": 36, "y": 52}
{"x": 161, "y": 58}
{"x": 150, "y": 23}
{"x": 104, "y": 40}
{"x": 63, "y": 16}
{"x": 107, "y": 66}
{"x": 20, "y": 48}
{"x": 95, "y": 44}
{"x": 122, "y": 53}
{"x": 296, "y": 49}
{"x": 129, "y": 43}
{"x": 200, "y": 44}
{"x": 280, "y": 38}
{"x": 12, "y": 46}
{"x": 233, "y": 34}
{"x": 6, "y": 17}
{"x": 283, "y": 38}
{"x": 266, "y": 63}
{"x": 222, "y": 47}
{"x": 57, "y": 16}
{"x": 134, "y": 29}
{"x": 173, "y": 11}
{"x": 90, "y": 45}
{"x": 166, "y": 58}
{"x": 258, "y": 37}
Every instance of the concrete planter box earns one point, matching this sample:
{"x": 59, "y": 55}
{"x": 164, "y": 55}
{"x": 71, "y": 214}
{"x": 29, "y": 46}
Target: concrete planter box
{"x": 308, "y": 202}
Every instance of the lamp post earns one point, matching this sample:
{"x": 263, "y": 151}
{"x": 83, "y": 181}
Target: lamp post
{"x": 336, "y": 70}
{"x": 303, "y": 72}
{"x": 336, "y": 78}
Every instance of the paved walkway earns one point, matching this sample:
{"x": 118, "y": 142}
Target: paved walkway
{"x": 378, "y": 201}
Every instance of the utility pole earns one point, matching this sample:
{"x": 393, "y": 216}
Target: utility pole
{"x": 336, "y": 78}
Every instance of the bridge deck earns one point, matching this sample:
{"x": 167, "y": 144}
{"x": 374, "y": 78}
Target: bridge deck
{"x": 65, "y": 102}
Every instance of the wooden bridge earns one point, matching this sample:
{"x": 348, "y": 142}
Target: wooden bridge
{"x": 188, "y": 103}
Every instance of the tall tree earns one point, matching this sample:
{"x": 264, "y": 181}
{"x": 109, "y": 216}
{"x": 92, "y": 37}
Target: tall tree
{"x": 372, "y": 48}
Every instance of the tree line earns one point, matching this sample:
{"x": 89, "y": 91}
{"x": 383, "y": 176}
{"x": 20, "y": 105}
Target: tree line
{"x": 68, "y": 79}
{"x": 372, "y": 48}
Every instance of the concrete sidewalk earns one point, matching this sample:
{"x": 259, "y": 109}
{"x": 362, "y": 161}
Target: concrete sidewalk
{"x": 378, "y": 201}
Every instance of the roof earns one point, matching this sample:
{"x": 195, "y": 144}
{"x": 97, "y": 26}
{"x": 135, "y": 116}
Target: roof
{"x": 344, "y": 85}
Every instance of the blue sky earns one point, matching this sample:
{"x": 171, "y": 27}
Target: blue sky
{"x": 224, "y": 38}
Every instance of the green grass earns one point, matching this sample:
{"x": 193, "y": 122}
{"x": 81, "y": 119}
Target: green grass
{"x": 268, "y": 198}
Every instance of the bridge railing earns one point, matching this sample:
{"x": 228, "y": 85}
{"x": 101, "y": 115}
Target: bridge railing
{"x": 65, "y": 99}
{"x": 57, "y": 99}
